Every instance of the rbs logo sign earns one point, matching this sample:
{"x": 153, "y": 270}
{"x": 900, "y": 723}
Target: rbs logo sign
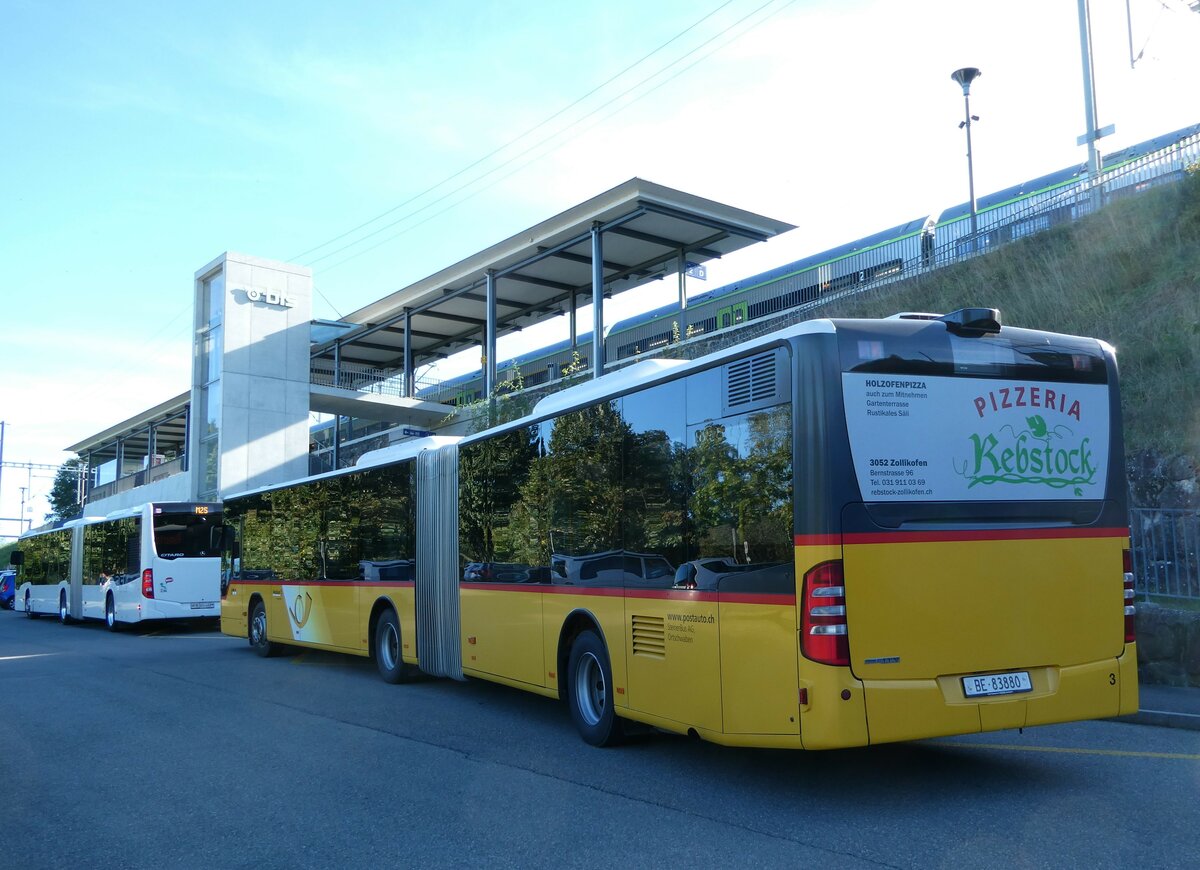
{"x": 269, "y": 297}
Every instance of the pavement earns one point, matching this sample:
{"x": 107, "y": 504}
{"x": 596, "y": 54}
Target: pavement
{"x": 1167, "y": 706}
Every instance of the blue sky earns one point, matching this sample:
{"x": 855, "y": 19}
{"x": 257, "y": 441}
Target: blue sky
{"x": 143, "y": 139}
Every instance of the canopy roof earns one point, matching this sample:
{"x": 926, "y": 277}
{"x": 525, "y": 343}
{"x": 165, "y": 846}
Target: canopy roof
{"x": 647, "y": 231}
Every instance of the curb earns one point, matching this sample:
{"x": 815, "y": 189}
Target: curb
{"x": 1163, "y": 719}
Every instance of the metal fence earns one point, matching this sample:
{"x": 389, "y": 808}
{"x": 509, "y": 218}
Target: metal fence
{"x": 1165, "y": 559}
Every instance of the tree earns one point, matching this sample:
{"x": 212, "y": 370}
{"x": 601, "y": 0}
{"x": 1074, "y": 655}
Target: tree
{"x": 64, "y": 495}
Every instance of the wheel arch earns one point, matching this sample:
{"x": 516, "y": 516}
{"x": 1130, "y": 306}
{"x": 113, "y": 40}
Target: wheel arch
{"x": 578, "y": 621}
{"x": 382, "y": 603}
{"x": 255, "y": 597}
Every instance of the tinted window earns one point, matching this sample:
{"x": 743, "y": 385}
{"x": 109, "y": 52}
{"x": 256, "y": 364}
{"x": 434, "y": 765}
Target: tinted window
{"x": 928, "y": 348}
{"x": 112, "y": 551}
{"x": 47, "y": 558}
{"x": 584, "y": 497}
{"x": 741, "y": 500}
{"x": 186, "y": 536}
{"x": 502, "y": 504}
{"x": 358, "y": 526}
{"x": 655, "y": 484}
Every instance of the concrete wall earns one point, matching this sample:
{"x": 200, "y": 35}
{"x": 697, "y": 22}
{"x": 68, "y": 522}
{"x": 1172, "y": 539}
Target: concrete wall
{"x": 178, "y": 487}
{"x": 1168, "y": 645}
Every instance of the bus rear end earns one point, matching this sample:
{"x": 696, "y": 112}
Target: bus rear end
{"x": 975, "y": 577}
{"x": 181, "y": 561}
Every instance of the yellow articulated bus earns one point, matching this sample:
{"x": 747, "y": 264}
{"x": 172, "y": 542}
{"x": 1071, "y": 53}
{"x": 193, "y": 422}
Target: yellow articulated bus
{"x": 845, "y": 533}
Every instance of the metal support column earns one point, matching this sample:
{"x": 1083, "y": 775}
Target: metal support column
{"x": 597, "y": 302}
{"x": 410, "y": 378}
{"x": 489, "y": 341}
{"x": 682, "y": 294}
{"x": 1089, "y": 90}
{"x": 337, "y": 441}
{"x": 337, "y": 363}
{"x": 574, "y": 330}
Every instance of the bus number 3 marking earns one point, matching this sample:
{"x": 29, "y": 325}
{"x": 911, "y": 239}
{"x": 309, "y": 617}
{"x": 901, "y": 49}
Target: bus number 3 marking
{"x": 1112, "y": 679}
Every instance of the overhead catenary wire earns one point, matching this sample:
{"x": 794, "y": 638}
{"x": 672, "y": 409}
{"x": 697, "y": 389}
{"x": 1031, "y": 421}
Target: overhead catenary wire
{"x": 537, "y": 149}
{"x": 557, "y": 135}
{"x": 512, "y": 141}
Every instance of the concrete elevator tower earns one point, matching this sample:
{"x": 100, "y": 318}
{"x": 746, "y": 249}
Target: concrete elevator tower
{"x": 250, "y": 375}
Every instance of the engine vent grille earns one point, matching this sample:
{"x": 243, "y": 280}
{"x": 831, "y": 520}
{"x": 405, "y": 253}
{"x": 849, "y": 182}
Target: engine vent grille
{"x": 754, "y": 382}
{"x": 649, "y": 636}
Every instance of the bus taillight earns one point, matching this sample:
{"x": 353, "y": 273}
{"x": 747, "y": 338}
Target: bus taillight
{"x": 1130, "y": 607}
{"x": 823, "y": 620}
{"x": 148, "y": 583}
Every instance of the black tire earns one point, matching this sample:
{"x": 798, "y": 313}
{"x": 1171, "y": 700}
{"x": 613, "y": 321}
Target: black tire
{"x": 387, "y": 648}
{"x": 257, "y": 632}
{"x": 29, "y": 610}
{"x": 110, "y": 613}
{"x": 590, "y": 692}
{"x": 64, "y": 615}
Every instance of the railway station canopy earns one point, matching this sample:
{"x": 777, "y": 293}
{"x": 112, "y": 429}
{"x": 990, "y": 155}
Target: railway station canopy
{"x": 622, "y": 239}
{"x": 362, "y": 367}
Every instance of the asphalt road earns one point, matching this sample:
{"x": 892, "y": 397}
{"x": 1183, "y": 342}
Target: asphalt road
{"x": 174, "y": 747}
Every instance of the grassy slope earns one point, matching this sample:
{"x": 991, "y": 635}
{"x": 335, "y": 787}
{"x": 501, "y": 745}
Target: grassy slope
{"x": 1129, "y": 275}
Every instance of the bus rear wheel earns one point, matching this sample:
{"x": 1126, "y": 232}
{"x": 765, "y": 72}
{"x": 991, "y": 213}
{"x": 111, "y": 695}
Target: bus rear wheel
{"x": 64, "y": 615}
{"x": 387, "y": 648}
{"x": 29, "y": 611}
{"x": 110, "y": 614}
{"x": 590, "y": 692}
{"x": 258, "y": 632}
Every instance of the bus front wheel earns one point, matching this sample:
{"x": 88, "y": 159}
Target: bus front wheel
{"x": 258, "y": 631}
{"x": 29, "y": 611}
{"x": 387, "y": 648}
{"x": 590, "y": 692}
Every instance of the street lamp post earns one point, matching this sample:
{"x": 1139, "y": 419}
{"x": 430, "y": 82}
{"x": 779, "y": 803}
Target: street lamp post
{"x": 964, "y": 77}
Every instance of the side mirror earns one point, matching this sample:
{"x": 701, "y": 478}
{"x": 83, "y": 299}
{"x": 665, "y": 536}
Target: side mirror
{"x": 222, "y": 537}
{"x": 16, "y": 558}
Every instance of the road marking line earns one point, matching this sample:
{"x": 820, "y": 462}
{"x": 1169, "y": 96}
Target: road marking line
{"x": 30, "y": 656}
{"x": 1120, "y": 753}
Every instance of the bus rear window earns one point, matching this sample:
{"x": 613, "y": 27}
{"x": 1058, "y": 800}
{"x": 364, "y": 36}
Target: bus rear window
{"x": 187, "y": 536}
{"x": 924, "y": 348}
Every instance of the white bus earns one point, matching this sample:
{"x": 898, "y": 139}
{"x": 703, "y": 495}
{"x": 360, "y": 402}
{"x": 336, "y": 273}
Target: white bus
{"x": 154, "y": 561}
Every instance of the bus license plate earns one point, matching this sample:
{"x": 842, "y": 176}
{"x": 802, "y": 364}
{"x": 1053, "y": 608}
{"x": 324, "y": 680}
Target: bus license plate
{"x": 202, "y": 605}
{"x": 996, "y": 684}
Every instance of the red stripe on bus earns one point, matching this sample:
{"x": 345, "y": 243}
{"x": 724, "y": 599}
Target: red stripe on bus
{"x": 958, "y": 535}
{"x": 373, "y": 583}
{"x": 782, "y": 599}
{"x": 774, "y": 598}
{"x": 504, "y": 587}
{"x": 671, "y": 594}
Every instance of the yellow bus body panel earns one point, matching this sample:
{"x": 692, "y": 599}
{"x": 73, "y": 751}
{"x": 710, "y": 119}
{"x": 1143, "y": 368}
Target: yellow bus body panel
{"x": 673, "y": 650}
{"x": 932, "y": 609}
{"x": 333, "y": 616}
{"x": 758, "y": 669}
{"x": 608, "y": 611}
{"x": 502, "y": 633}
{"x": 836, "y": 714}
{"x": 235, "y": 611}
